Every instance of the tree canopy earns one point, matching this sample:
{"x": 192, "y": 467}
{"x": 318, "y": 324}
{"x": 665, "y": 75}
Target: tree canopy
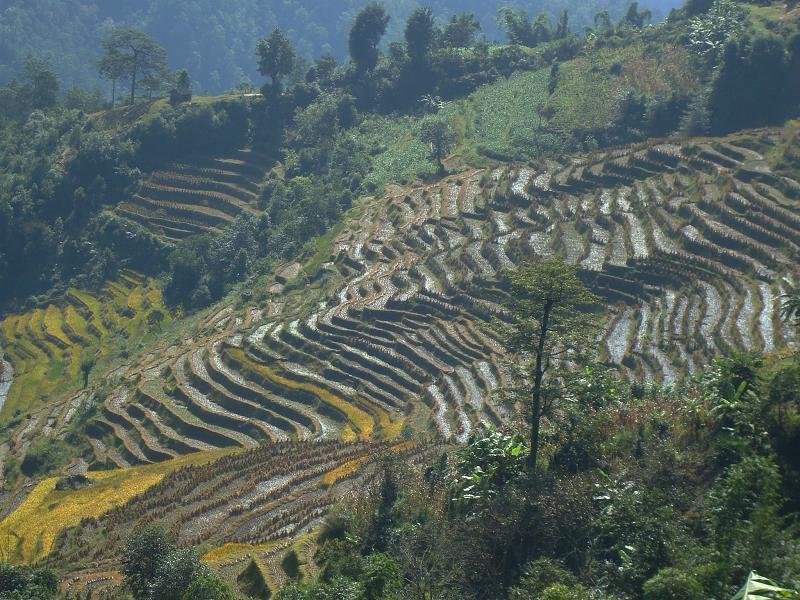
{"x": 135, "y": 55}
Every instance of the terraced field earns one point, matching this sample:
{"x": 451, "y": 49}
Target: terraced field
{"x": 198, "y": 195}
{"x": 689, "y": 245}
{"x": 387, "y": 329}
{"x": 45, "y": 349}
{"x": 272, "y": 495}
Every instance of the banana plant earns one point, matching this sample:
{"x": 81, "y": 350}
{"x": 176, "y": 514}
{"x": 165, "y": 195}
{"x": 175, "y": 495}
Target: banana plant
{"x": 760, "y": 588}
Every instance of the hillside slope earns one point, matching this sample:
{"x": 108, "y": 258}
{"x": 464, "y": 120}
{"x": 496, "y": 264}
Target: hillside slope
{"x": 386, "y": 329}
{"x": 689, "y": 245}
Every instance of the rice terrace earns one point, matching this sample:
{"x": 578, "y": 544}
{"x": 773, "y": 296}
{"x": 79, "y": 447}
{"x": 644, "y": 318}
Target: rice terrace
{"x": 418, "y": 300}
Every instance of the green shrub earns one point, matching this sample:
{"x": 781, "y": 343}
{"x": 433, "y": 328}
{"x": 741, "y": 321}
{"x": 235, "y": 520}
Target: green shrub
{"x": 45, "y": 456}
{"x": 540, "y": 575}
{"x": 673, "y": 584}
{"x": 563, "y": 592}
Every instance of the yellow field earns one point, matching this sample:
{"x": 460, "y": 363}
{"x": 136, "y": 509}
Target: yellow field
{"x": 344, "y": 471}
{"x": 27, "y": 535}
{"x": 230, "y": 552}
{"x": 48, "y": 345}
{"x": 360, "y": 419}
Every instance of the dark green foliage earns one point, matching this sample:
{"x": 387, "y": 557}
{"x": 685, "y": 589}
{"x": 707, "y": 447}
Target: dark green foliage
{"x": 44, "y": 457}
{"x": 134, "y": 54}
{"x": 437, "y": 133}
{"x": 365, "y": 35}
{"x": 215, "y": 43}
{"x": 563, "y": 592}
{"x": 540, "y": 575}
{"x": 673, "y": 584}
{"x": 485, "y": 468}
{"x": 420, "y": 35}
{"x": 208, "y": 587}
{"x": 751, "y": 87}
{"x": 155, "y": 570}
{"x": 460, "y": 31}
{"x": 524, "y": 31}
{"x": 192, "y": 129}
{"x": 179, "y": 571}
{"x": 251, "y": 581}
{"x": 142, "y": 558}
{"x": 37, "y": 90}
{"x": 549, "y": 305}
{"x": 275, "y": 57}
{"x": 27, "y": 583}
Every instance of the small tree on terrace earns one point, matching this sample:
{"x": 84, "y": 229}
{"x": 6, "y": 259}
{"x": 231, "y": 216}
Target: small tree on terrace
{"x": 550, "y": 327}
{"x": 275, "y": 57}
{"x": 134, "y": 54}
{"x": 438, "y": 134}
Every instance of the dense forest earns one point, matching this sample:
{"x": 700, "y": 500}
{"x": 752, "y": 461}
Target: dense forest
{"x": 216, "y": 44}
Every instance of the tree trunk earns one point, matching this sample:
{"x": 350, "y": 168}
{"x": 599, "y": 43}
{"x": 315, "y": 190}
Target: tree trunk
{"x": 133, "y": 87}
{"x": 133, "y": 77}
{"x": 536, "y": 408}
{"x": 113, "y": 92}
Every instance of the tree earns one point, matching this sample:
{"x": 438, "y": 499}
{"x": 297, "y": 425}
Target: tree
{"x": 182, "y": 92}
{"x": 113, "y": 67}
{"x": 634, "y": 18}
{"x": 365, "y": 35}
{"x": 41, "y": 83}
{"x": 550, "y": 326}
{"x": 276, "y": 57}
{"x": 437, "y": 132}
{"x": 562, "y": 30}
{"x": 521, "y": 30}
{"x": 208, "y": 587}
{"x": 143, "y": 557}
{"x": 156, "y": 81}
{"x": 602, "y": 21}
{"x": 156, "y": 318}
{"x": 136, "y": 54}
{"x": 420, "y": 34}
{"x": 460, "y": 32}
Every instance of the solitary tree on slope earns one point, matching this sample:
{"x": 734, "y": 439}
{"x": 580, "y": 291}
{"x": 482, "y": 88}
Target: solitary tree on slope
{"x": 551, "y": 327}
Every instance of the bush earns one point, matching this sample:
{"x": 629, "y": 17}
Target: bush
{"x": 563, "y": 592}
{"x": 673, "y": 584}
{"x": 45, "y": 456}
{"x": 25, "y": 583}
{"x": 541, "y": 575}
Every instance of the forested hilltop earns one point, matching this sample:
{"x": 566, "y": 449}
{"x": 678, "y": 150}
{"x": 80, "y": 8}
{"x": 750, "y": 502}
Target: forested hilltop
{"x": 440, "y": 317}
{"x": 216, "y": 44}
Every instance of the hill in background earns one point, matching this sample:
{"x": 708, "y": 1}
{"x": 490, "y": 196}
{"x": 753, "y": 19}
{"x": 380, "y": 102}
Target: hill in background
{"x": 215, "y": 42}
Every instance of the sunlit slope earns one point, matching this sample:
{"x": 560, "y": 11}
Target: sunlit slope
{"x": 388, "y": 325}
{"x": 54, "y": 348}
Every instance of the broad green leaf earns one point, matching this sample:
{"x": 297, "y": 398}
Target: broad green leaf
{"x": 760, "y": 588}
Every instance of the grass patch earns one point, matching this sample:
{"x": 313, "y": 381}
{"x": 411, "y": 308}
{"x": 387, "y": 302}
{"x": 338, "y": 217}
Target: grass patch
{"x": 324, "y": 247}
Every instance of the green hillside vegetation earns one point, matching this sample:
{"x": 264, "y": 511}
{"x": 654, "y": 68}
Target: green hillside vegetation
{"x": 215, "y": 44}
{"x": 436, "y": 318}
